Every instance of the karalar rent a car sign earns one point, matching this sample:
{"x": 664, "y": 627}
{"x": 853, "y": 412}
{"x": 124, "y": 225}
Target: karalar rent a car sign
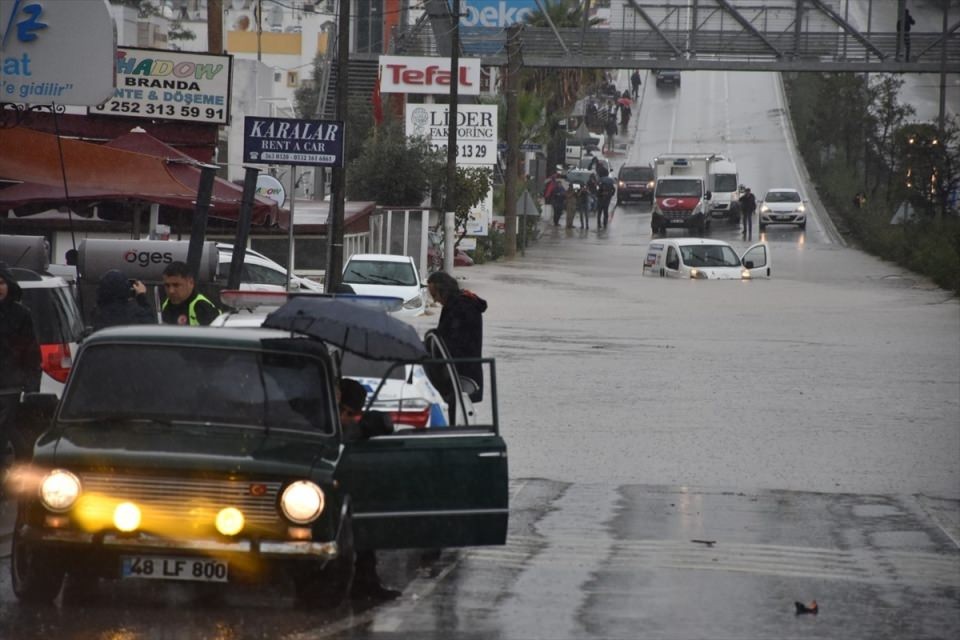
{"x": 292, "y": 141}
{"x": 170, "y": 85}
{"x": 56, "y": 51}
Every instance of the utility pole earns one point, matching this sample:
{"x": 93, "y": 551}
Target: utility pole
{"x": 513, "y": 142}
{"x": 215, "y": 26}
{"x": 339, "y": 186}
{"x": 449, "y": 205}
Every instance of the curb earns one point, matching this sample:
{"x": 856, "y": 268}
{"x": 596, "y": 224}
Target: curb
{"x": 826, "y": 219}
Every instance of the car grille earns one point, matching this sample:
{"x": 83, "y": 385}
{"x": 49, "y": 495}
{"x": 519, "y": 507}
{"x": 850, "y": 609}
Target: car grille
{"x": 188, "y": 506}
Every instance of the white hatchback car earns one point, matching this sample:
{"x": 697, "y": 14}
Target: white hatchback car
{"x": 783, "y": 206}
{"x": 705, "y": 259}
{"x": 260, "y": 273}
{"x": 382, "y": 274}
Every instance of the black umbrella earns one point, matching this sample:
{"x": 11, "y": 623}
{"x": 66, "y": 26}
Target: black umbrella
{"x": 365, "y": 330}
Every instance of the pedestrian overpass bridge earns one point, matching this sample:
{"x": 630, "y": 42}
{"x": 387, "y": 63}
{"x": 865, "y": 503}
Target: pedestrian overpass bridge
{"x": 751, "y": 35}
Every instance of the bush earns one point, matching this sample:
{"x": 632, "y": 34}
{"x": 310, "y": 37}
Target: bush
{"x": 924, "y": 246}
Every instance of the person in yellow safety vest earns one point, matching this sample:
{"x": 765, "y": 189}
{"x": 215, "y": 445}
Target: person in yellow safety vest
{"x": 184, "y": 304}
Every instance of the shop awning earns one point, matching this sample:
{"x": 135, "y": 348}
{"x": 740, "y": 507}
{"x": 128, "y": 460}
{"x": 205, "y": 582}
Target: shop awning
{"x": 135, "y": 167}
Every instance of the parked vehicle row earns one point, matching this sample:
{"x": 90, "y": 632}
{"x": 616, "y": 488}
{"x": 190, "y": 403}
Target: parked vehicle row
{"x": 218, "y": 455}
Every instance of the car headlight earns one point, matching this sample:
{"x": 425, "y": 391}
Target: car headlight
{"x": 696, "y": 274}
{"x": 801, "y": 209}
{"x": 413, "y": 303}
{"x": 59, "y": 490}
{"x": 650, "y": 185}
{"x": 745, "y": 274}
{"x": 764, "y": 209}
{"x": 302, "y": 502}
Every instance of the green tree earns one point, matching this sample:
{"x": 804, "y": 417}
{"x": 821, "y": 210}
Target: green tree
{"x": 888, "y": 116}
{"x": 929, "y": 166}
{"x": 472, "y": 184}
{"x": 392, "y": 169}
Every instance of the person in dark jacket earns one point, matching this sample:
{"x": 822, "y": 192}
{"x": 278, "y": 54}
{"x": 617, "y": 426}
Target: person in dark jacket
{"x": 748, "y": 204}
{"x": 357, "y": 426}
{"x": 184, "y": 304}
{"x": 460, "y": 325}
{"x": 19, "y": 359}
{"x": 121, "y": 302}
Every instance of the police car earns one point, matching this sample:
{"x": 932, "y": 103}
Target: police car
{"x": 402, "y": 390}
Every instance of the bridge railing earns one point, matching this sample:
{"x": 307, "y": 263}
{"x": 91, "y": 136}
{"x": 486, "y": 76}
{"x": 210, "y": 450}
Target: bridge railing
{"x": 617, "y": 48}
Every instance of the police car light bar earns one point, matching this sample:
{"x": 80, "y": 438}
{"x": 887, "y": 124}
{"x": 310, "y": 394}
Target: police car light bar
{"x": 240, "y": 299}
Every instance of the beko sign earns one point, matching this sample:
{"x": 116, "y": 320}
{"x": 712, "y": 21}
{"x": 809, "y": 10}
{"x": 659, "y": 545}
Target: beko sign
{"x": 418, "y": 74}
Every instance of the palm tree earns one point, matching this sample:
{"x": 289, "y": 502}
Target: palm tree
{"x": 559, "y": 88}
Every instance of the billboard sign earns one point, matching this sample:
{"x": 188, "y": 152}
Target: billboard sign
{"x": 423, "y": 74}
{"x": 476, "y": 130}
{"x": 292, "y": 141}
{"x": 56, "y": 51}
{"x": 496, "y": 13}
{"x": 170, "y": 85}
{"x": 480, "y": 216}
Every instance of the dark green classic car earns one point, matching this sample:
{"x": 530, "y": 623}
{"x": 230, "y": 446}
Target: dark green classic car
{"x": 217, "y": 455}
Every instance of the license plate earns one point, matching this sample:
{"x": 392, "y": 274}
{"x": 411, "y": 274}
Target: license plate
{"x": 173, "y": 568}
{"x": 678, "y": 221}
{"x": 783, "y": 217}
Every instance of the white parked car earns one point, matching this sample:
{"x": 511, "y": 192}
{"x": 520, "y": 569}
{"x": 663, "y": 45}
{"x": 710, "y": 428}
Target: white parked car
{"x": 705, "y": 259}
{"x": 260, "y": 273}
{"x": 381, "y": 274}
{"x": 783, "y": 206}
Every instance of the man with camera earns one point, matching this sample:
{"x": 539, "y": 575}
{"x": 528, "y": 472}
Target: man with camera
{"x": 121, "y": 301}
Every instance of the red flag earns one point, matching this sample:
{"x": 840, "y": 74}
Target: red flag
{"x": 377, "y": 102}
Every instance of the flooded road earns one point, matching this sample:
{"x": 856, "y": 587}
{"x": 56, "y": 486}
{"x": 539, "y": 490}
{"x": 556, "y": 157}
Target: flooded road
{"x": 688, "y": 458}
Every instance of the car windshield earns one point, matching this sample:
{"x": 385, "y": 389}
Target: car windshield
{"x": 171, "y": 384}
{"x": 725, "y": 182}
{"x": 636, "y": 173}
{"x": 380, "y": 272}
{"x": 782, "y": 196}
{"x": 709, "y": 255}
{"x": 578, "y": 177}
{"x": 679, "y": 188}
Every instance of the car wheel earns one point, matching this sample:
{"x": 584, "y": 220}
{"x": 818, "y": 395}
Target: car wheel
{"x": 37, "y": 577}
{"x": 762, "y": 227}
{"x": 328, "y": 587}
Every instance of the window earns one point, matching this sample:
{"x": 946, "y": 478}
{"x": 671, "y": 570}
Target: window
{"x": 380, "y": 272}
{"x": 200, "y": 385}
{"x": 757, "y": 255}
{"x": 673, "y": 260}
{"x": 725, "y": 182}
{"x": 293, "y": 78}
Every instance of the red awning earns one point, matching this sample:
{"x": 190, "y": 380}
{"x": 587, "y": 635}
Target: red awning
{"x": 133, "y": 167}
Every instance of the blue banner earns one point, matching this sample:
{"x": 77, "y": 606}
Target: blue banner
{"x": 291, "y": 141}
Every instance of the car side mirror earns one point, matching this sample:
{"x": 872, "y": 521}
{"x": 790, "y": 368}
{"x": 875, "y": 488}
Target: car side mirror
{"x": 748, "y": 264}
{"x": 708, "y": 195}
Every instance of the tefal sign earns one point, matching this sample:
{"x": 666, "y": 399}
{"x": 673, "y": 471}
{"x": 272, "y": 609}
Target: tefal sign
{"x": 415, "y": 74}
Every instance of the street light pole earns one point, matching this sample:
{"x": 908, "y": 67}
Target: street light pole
{"x": 339, "y": 187}
{"x": 449, "y": 205}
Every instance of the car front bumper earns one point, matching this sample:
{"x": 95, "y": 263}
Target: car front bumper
{"x": 146, "y": 543}
{"x": 783, "y": 218}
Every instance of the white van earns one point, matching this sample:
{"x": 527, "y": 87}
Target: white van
{"x": 705, "y": 259}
